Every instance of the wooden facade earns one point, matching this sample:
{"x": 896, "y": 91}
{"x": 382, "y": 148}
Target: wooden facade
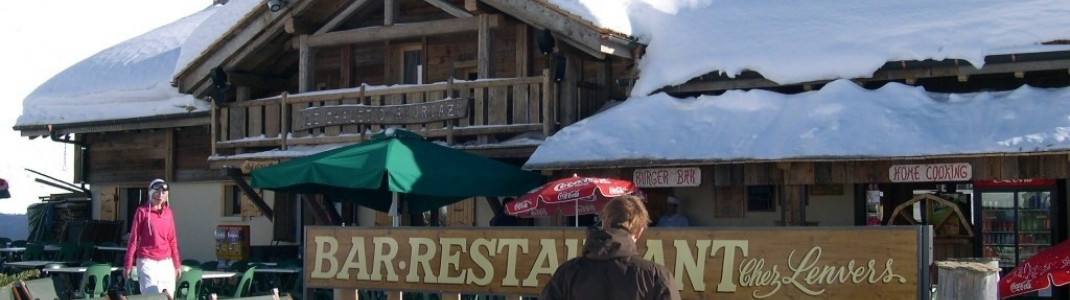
{"x": 523, "y": 67}
{"x": 173, "y": 154}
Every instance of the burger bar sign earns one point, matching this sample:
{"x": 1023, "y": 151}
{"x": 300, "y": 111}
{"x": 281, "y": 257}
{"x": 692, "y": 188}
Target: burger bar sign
{"x": 667, "y": 177}
{"x": 931, "y": 172}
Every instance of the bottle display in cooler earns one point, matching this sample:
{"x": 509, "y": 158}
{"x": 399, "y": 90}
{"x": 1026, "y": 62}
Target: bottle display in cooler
{"x": 1015, "y": 225}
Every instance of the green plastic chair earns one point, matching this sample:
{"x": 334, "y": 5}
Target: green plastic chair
{"x": 191, "y": 262}
{"x": 95, "y": 281}
{"x": 69, "y": 252}
{"x": 245, "y": 285}
{"x": 189, "y": 285}
{"x": 34, "y": 252}
{"x": 210, "y": 265}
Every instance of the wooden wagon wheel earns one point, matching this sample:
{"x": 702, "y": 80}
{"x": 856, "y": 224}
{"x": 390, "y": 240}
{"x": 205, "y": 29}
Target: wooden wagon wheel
{"x": 933, "y": 198}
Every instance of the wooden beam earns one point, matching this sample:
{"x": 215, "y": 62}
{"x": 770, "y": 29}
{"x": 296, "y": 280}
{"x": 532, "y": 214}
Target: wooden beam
{"x": 390, "y": 12}
{"x": 306, "y": 65}
{"x": 252, "y": 34}
{"x": 523, "y": 50}
{"x": 449, "y": 8}
{"x": 472, "y": 5}
{"x": 586, "y": 38}
{"x": 483, "y": 51}
{"x": 400, "y": 31}
{"x": 169, "y": 160}
{"x": 257, "y": 81}
{"x": 346, "y": 67}
{"x": 342, "y": 16}
{"x": 615, "y": 49}
{"x": 235, "y": 174}
{"x": 294, "y": 25}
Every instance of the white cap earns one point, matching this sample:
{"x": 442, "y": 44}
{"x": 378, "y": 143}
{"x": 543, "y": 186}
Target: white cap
{"x": 673, "y": 200}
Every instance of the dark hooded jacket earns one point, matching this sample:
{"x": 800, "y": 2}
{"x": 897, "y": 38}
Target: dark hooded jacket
{"x": 610, "y": 268}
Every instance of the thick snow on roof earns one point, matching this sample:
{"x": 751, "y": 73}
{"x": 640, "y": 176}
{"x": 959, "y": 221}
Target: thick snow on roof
{"x": 842, "y": 120}
{"x": 790, "y": 41}
{"x": 132, "y": 79}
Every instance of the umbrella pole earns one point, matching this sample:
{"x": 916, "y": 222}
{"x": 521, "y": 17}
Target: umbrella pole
{"x": 576, "y": 218}
{"x": 394, "y": 208}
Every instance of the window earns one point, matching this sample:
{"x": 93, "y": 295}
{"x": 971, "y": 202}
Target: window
{"x": 761, "y": 198}
{"x": 231, "y": 202}
{"x": 411, "y": 68}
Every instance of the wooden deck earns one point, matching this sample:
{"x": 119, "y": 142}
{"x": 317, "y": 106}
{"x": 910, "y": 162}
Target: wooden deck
{"x": 491, "y": 107}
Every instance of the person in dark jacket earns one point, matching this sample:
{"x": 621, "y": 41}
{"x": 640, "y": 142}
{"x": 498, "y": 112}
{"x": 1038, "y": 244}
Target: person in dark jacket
{"x": 611, "y": 267}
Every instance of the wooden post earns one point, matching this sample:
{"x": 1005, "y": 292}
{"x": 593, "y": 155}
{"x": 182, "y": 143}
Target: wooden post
{"x": 213, "y": 126}
{"x": 284, "y": 108}
{"x": 547, "y": 104}
{"x": 968, "y": 278}
{"x": 483, "y": 47}
{"x": 450, "y": 138}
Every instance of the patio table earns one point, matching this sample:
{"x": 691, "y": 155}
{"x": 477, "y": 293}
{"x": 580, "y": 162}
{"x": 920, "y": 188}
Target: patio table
{"x": 31, "y": 264}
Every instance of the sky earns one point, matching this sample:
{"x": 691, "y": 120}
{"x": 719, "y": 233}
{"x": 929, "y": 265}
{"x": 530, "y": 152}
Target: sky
{"x": 44, "y": 38}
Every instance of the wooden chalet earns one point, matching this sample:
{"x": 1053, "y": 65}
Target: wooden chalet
{"x": 833, "y": 191}
{"x": 474, "y": 74}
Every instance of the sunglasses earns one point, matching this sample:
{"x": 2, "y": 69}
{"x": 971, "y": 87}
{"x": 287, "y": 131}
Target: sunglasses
{"x": 160, "y": 186}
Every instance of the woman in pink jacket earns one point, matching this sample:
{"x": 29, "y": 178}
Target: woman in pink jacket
{"x": 153, "y": 244}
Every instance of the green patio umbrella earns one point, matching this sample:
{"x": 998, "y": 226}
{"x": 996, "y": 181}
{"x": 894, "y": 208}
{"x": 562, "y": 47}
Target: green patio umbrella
{"x": 397, "y": 163}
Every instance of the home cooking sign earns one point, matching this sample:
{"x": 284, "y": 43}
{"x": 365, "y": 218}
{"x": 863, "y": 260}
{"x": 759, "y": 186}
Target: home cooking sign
{"x": 775, "y": 263}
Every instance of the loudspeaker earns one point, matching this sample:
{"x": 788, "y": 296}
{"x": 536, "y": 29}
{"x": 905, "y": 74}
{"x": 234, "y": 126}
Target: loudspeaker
{"x": 559, "y": 67}
{"x": 220, "y": 85}
{"x": 546, "y": 42}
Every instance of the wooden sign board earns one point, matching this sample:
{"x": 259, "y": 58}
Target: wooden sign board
{"x": 417, "y": 113}
{"x": 667, "y": 177}
{"x": 763, "y": 263}
{"x": 931, "y": 172}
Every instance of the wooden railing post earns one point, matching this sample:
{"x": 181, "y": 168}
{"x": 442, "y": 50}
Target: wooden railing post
{"x": 363, "y": 127}
{"x": 450, "y": 123}
{"x": 214, "y": 126}
{"x": 285, "y": 115}
{"x": 547, "y": 105}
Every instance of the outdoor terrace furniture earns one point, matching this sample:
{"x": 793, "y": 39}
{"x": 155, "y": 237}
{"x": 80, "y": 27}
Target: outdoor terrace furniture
{"x": 42, "y": 288}
{"x": 160, "y": 296}
{"x": 95, "y": 281}
{"x": 189, "y": 284}
{"x": 273, "y": 296}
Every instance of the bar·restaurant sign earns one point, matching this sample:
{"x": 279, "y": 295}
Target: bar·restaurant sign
{"x": 888, "y": 262}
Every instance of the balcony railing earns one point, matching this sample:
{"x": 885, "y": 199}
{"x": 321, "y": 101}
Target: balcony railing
{"x": 454, "y": 111}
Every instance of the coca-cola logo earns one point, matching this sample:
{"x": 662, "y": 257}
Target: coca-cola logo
{"x": 571, "y": 184}
{"x": 1021, "y": 286}
{"x": 522, "y": 205}
{"x": 568, "y": 195}
{"x": 539, "y": 213}
{"x": 586, "y": 209}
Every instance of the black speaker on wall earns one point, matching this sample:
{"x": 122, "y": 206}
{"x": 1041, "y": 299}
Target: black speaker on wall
{"x": 559, "y": 67}
{"x": 546, "y": 42}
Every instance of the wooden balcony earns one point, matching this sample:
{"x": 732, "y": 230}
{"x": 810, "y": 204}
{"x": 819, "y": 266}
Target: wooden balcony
{"x": 455, "y": 111}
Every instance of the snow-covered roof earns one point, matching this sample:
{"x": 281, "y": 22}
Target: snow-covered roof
{"x": 132, "y": 79}
{"x": 801, "y": 41}
{"x": 842, "y": 120}
{"x": 789, "y": 41}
